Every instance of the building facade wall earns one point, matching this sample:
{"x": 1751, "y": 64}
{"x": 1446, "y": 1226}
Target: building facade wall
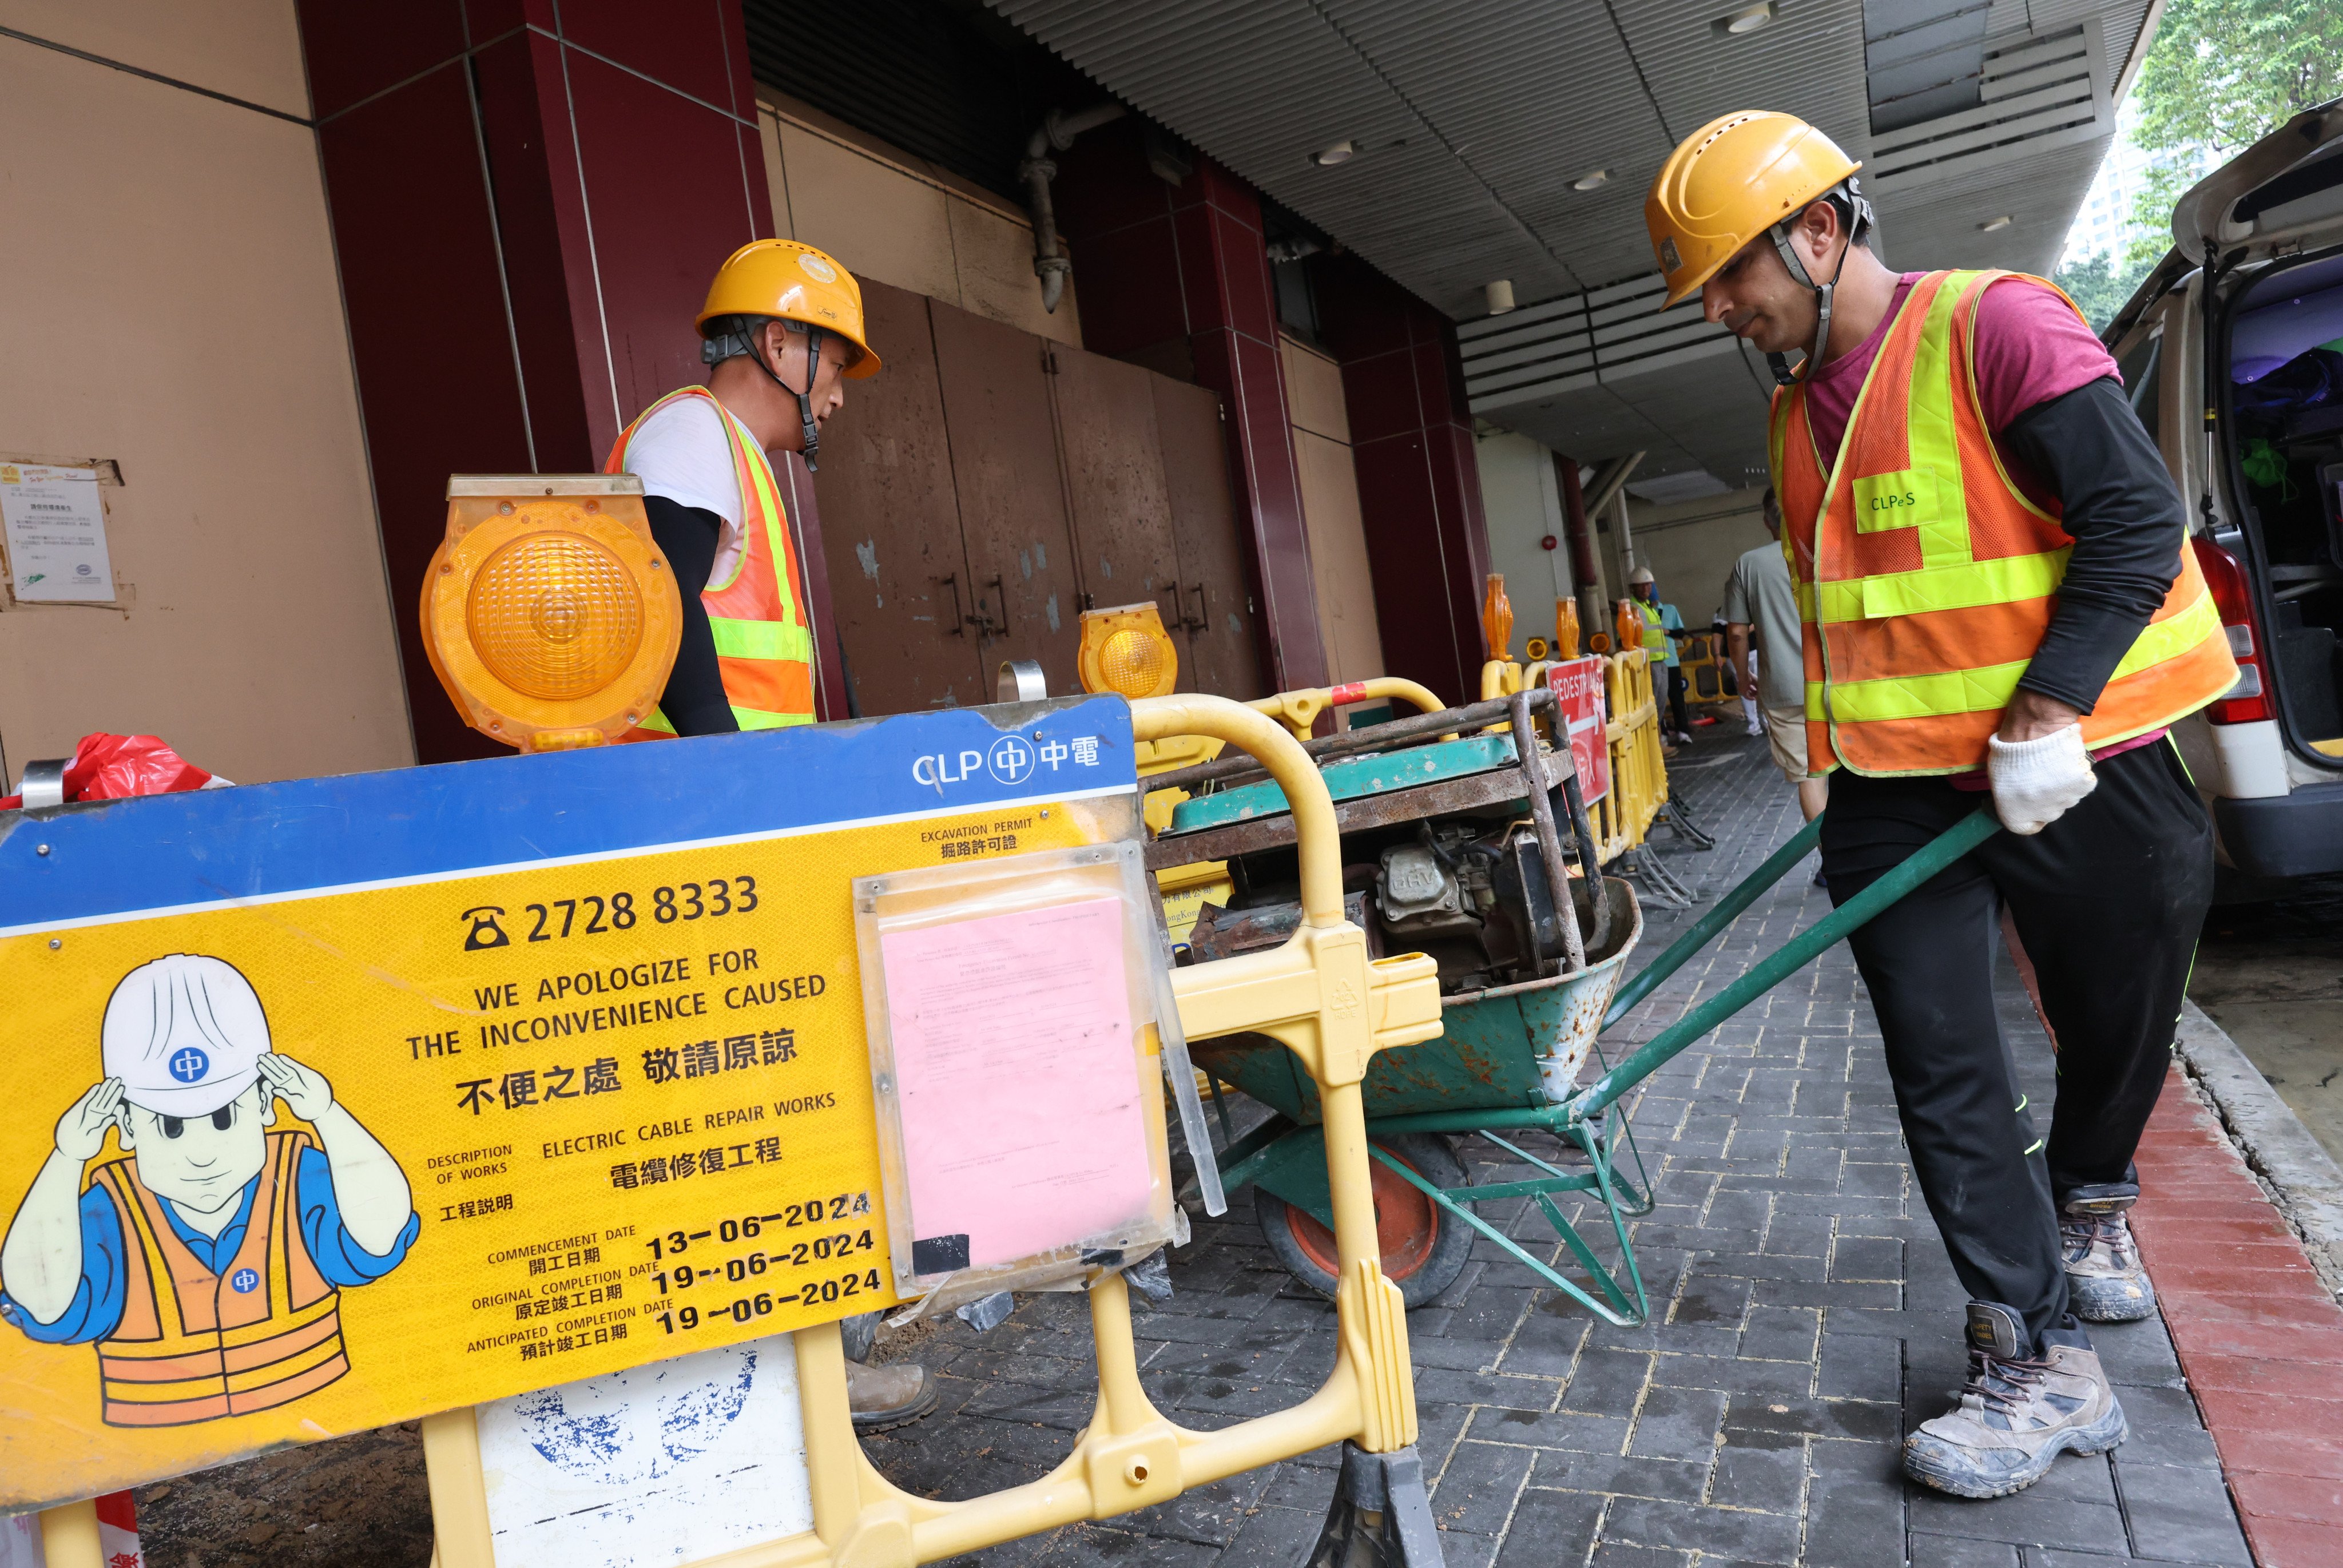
{"x": 1419, "y": 483}
{"x": 1341, "y": 571}
{"x": 529, "y": 202}
{"x": 1178, "y": 281}
{"x": 887, "y": 215}
{"x": 172, "y": 306}
{"x": 1692, "y": 545}
{"x": 1522, "y": 503}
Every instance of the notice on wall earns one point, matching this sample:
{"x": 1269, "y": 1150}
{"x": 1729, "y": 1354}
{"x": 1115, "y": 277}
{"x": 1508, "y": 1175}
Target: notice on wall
{"x": 56, "y": 534}
{"x": 347, "y": 1101}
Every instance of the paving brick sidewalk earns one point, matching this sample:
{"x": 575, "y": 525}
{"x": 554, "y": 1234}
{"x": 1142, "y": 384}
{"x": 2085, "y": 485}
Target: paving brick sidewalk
{"x": 1805, "y": 1319}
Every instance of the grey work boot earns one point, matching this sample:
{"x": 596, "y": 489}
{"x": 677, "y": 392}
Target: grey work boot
{"x": 2106, "y": 1280}
{"x": 2017, "y": 1412}
{"x": 889, "y": 1396}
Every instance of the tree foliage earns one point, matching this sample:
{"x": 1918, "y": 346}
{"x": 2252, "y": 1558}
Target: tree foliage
{"x": 2100, "y": 284}
{"x": 2222, "y": 75}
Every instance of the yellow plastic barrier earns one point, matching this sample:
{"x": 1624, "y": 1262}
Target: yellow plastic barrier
{"x": 1639, "y": 774}
{"x": 1704, "y": 669}
{"x": 1299, "y": 710}
{"x": 1334, "y": 1008}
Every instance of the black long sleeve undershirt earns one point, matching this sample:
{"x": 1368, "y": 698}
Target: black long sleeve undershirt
{"x": 694, "y": 701}
{"x": 2128, "y": 523}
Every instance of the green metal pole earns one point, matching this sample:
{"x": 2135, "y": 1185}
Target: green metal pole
{"x": 1950, "y": 846}
{"x": 1648, "y": 977}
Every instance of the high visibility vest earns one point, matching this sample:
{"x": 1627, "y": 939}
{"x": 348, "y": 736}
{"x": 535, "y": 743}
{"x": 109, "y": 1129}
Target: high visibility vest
{"x": 1926, "y": 577}
{"x": 1655, "y": 638}
{"x": 193, "y": 1345}
{"x": 763, "y": 648}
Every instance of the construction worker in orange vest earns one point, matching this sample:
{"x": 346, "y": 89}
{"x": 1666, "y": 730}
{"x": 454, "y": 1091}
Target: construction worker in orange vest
{"x": 782, "y": 329}
{"x": 1997, "y": 602}
{"x": 206, "y": 1262}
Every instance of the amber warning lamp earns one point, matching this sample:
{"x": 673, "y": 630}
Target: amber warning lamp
{"x": 1125, "y": 650}
{"x": 550, "y": 617}
{"x": 1497, "y": 618}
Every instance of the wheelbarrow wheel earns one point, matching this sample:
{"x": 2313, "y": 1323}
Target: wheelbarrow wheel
{"x": 1424, "y": 1245}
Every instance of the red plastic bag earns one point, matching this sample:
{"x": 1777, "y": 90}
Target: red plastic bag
{"x": 115, "y": 767}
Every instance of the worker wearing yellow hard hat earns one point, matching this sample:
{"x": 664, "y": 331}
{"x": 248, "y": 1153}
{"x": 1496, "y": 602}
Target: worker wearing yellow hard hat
{"x": 1997, "y": 602}
{"x": 782, "y": 331}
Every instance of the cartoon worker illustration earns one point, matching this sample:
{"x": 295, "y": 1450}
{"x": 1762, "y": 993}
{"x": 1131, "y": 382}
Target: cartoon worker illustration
{"x": 206, "y": 1261}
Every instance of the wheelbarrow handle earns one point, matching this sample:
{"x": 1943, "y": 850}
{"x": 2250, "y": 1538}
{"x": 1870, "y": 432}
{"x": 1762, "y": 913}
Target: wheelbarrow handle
{"x": 1727, "y": 910}
{"x": 1795, "y": 955}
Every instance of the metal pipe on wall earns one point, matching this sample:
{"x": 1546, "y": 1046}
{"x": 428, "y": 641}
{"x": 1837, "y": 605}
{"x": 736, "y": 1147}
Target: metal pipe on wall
{"x": 1056, "y": 133}
{"x": 1586, "y": 575}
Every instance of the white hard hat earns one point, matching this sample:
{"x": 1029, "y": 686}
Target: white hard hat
{"x": 1639, "y": 576}
{"x": 184, "y": 1034}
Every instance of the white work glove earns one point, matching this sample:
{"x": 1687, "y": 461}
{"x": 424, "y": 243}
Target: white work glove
{"x": 2035, "y": 782}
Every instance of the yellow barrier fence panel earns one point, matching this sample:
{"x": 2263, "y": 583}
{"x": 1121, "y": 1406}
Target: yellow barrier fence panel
{"x": 558, "y": 1034}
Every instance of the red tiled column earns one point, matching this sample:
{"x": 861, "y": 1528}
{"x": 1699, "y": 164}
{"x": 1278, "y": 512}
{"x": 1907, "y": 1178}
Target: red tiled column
{"x": 2259, "y": 1337}
{"x": 528, "y": 204}
{"x": 1176, "y": 278}
{"x": 1419, "y": 483}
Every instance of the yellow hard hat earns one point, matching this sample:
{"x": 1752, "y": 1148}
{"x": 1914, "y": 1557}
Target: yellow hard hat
{"x": 1729, "y": 182}
{"x": 792, "y": 282}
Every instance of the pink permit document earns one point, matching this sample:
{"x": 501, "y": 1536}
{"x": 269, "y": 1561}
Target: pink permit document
{"x": 1017, "y": 1083}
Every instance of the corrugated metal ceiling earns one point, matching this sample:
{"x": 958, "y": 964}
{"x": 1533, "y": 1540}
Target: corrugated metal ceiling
{"x": 1475, "y": 116}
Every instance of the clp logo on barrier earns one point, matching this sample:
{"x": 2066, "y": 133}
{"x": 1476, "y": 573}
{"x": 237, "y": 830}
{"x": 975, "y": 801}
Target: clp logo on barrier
{"x": 1011, "y": 761}
{"x": 188, "y": 1065}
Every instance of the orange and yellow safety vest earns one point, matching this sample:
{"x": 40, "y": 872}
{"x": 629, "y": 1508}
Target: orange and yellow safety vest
{"x": 193, "y": 1345}
{"x": 1926, "y": 578}
{"x": 763, "y": 647}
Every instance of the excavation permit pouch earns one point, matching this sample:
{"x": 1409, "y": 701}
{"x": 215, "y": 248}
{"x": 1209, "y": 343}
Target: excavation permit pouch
{"x": 1017, "y": 1069}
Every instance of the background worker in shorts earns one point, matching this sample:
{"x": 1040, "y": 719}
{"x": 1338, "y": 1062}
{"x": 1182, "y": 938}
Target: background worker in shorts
{"x": 1759, "y": 601}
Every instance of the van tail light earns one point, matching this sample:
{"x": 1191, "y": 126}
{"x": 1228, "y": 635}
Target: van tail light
{"x": 2225, "y": 575}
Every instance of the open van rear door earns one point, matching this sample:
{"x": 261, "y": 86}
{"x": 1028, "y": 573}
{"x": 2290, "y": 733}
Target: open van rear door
{"x": 2283, "y": 190}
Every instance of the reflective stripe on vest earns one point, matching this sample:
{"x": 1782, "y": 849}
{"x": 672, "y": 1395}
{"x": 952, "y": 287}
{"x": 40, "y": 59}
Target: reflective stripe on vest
{"x": 1925, "y": 579}
{"x": 1656, "y": 638}
{"x": 191, "y": 1346}
{"x": 764, "y": 650}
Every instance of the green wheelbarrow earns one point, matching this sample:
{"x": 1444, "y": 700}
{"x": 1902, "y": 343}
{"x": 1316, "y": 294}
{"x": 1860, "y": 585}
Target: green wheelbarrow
{"x": 1514, "y": 1050}
{"x": 1510, "y": 1063}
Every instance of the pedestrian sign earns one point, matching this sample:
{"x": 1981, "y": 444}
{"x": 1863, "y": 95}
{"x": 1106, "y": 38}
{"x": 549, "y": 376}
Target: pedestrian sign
{"x": 350, "y": 1101}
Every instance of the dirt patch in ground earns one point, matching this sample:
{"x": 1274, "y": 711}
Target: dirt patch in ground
{"x": 357, "y": 1502}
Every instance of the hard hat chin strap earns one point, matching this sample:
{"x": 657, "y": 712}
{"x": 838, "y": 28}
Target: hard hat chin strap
{"x": 726, "y": 345}
{"x": 1859, "y": 224}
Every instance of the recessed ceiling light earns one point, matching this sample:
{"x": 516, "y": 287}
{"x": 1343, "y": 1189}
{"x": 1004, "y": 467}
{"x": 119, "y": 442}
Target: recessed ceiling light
{"x": 1340, "y": 153}
{"x": 1589, "y": 180}
{"x": 1992, "y": 223}
{"x": 1747, "y": 19}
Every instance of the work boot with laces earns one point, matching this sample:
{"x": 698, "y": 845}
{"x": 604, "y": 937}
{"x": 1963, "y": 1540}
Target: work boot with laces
{"x": 2022, "y": 1406}
{"x": 889, "y": 1396}
{"x": 2106, "y": 1280}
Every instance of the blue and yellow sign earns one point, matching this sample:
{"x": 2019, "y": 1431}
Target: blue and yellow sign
{"x": 344, "y": 1102}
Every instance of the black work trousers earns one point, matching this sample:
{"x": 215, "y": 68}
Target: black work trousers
{"x": 2108, "y": 901}
{"x": 1676, "y": 684}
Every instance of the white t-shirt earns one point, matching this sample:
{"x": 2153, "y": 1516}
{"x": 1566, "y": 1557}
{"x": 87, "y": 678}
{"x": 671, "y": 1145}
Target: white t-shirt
{"x": 680, "y": 453}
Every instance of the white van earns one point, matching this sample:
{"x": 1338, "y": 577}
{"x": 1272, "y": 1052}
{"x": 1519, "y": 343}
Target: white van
{"x": 2233, "y": 350}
